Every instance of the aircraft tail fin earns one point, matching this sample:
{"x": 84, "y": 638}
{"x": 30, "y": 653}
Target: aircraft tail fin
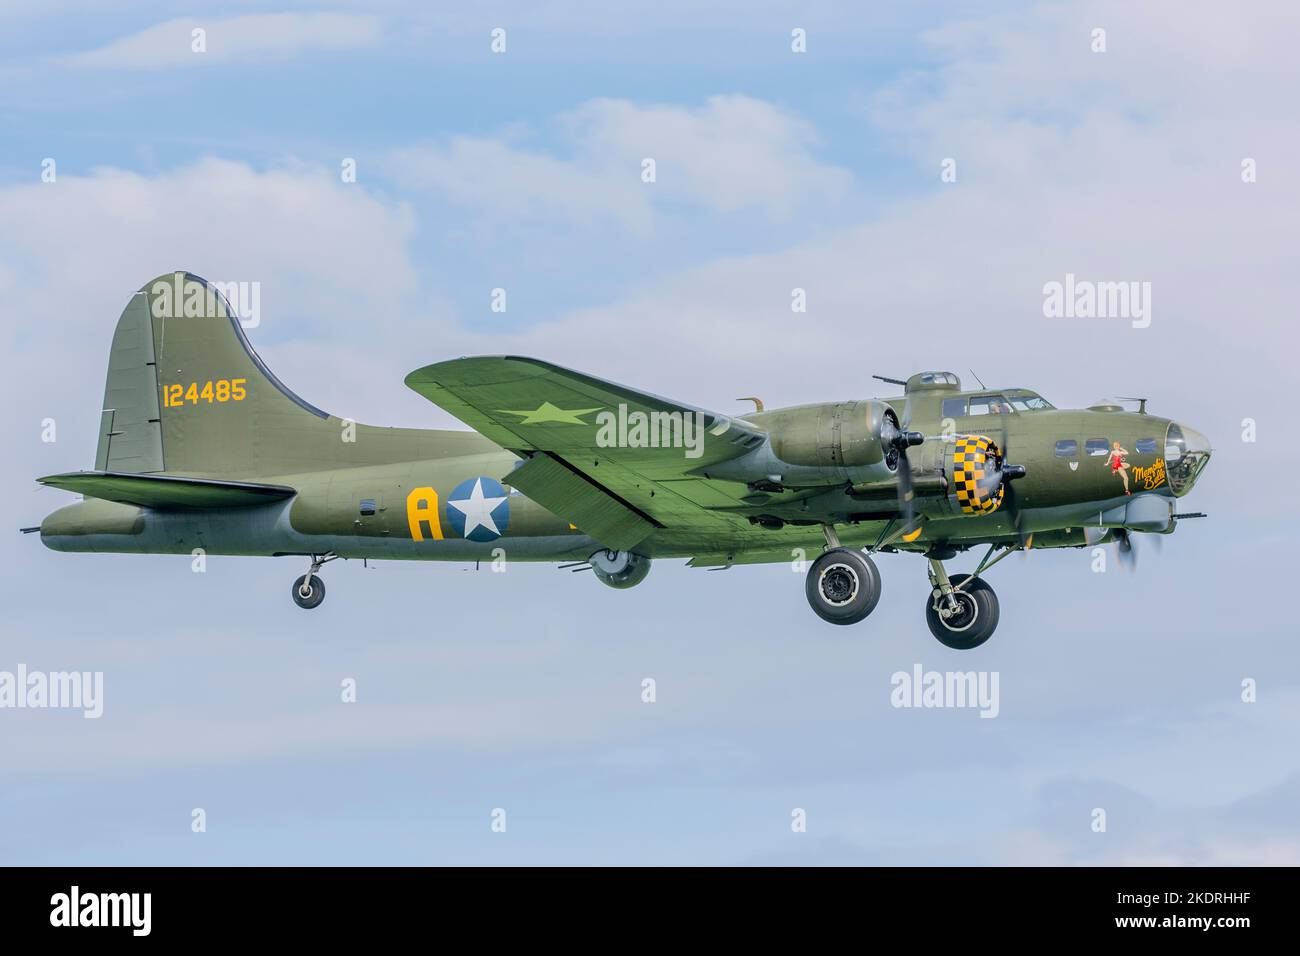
{"x": 187, "y": 393}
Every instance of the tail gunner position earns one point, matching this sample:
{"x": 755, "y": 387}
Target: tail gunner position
{"x": 201, "y": 446}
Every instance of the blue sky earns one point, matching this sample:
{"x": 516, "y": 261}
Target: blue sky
{"x": 775, "y": 170}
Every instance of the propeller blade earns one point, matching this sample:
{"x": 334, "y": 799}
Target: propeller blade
{"x": 1126, "y": 550}
{"x": 906, "y": 492}
{"x": 1010, "y": 500}
{"x": 900, "y": 439}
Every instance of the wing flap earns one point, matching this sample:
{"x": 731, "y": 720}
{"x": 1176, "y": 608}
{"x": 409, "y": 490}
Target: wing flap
{"x": 595, "y": 510}
{"x": 167, "y": 491}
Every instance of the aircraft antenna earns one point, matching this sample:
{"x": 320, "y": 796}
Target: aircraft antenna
{"x": 977, "y": 378}
{"x": 1142, "y": 402}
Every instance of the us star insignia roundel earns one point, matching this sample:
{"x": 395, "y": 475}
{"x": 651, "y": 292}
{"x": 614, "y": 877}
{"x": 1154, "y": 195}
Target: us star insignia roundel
{"x": 479, "y": 509}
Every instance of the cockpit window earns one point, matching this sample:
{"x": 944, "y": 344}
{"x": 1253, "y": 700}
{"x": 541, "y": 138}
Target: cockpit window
{"x": 954, "y": 407}
{"x": 989, "y": 405}
{"x": 1026, "y": 401}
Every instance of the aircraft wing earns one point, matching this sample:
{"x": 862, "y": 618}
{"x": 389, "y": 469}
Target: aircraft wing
{"x": 616, "y": 462}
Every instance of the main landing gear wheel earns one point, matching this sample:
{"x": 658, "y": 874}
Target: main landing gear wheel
{"x": 308, "y": 591}
{"x": 843, "y": 586}
{"x": 968, "y": 620}
{"x": 619, "y": 569}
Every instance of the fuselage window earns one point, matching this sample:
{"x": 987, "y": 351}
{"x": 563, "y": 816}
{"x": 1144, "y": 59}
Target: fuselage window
{"x": 954, "y": 407}
{"x": 367, "y": 506}
{"x": 1067, "y": 448}
{"x": 1097, "y": 447}
{"x": 1146, "y": 446}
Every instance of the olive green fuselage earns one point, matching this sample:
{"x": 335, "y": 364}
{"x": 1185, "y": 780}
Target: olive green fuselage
{"x": 202, "y": 447}
{"x": 384, "y": 510}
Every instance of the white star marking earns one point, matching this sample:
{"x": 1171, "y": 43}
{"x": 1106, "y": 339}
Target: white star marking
{"x": 477, "y": 510}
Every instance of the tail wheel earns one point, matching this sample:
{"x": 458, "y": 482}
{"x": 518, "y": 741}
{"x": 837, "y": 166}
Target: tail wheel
{"x": 971, "y": 623}
{"x": 308, "y": 591}
{"x": 843, "y": 586}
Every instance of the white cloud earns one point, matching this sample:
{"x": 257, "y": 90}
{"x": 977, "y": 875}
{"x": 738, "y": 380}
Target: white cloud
{"x": 506, "y": 182}
{"x": 1074, "y": 179}
{"x": 732, "y": 153}
{"x": 1128, "y": 171}
{"x": 333, "y": 260}
{"x": 255, "y": 36}
{"x": 105, "y": 233}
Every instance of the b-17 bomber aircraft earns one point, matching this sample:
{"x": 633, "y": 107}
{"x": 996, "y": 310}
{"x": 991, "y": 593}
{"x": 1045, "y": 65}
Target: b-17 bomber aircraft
{"x": 202, "y": 447}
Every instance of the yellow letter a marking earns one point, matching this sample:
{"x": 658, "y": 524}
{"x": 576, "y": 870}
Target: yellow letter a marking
{"x": 422, "y": 505}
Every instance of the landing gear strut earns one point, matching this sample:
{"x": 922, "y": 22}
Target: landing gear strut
{"x": 843, "y": 585}
{"x": 962, "y": 610}
{"x": 309, "y": 590}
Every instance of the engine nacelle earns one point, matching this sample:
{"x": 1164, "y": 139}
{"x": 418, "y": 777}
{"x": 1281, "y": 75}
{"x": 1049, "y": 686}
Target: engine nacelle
{"x": 965, "y": 475}
{"x": 975, "y": 475}
{"x": 838, "y": 435}
{"x": 620, "y": 569}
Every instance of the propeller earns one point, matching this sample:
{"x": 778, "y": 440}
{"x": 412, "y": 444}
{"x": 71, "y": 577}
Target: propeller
{"x": 1126, "y": 546}
{"x": 1007, "y": 474}
{"x": 897, "y": 439}
{"x": 1126, "y": 550}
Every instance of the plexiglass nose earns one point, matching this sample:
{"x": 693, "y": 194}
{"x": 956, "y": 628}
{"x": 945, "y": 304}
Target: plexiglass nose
{"x": 1186, "y": 453}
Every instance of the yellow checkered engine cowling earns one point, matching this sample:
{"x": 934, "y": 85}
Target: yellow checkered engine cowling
{"x": 974, "y": 475}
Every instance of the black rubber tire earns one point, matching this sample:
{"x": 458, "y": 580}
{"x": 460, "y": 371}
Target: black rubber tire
{"x": 984, "y": 604}
{"x": 638, "y": 566}
{"x": 316, "y": 592}
{"x": 843, "y": 586}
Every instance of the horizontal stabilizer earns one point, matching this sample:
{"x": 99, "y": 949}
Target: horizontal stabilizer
{"x": 167, "y": 491}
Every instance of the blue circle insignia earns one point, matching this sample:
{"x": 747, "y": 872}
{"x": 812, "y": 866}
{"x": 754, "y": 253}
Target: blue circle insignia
{"x": 479, "y": 509}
